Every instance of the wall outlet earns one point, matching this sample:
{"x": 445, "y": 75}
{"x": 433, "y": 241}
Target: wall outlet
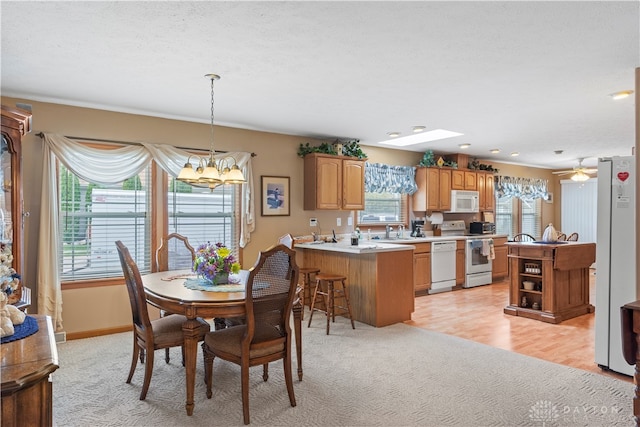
{"x": 350, "y": 220}
{"x": 339, "y": 222}
{"x": 313, "y": 222}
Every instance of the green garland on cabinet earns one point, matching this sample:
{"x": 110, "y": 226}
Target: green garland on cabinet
{"x": 349, "y": 149}
{"x": 429, "y": 160}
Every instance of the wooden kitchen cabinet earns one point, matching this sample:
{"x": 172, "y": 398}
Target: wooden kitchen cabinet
{"x": 464, "y": 180}
{"x": 333, "y": 182}
{"x": 422, "y": 267}
{"x": 434, "y": 190}
{"x": 486, "y": 189}
{"x": 500, "y": 263}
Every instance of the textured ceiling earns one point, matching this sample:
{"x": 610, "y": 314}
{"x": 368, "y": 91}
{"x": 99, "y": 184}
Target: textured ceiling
{"x": 532, "y": 77}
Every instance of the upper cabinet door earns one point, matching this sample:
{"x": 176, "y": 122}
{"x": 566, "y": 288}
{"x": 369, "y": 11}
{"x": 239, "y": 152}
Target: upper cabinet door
{"x": 445, "y": 190}
{"x": 457, "y": 179}
{"x": 353, "y": 184}
{"x": 329, "y": 183}
{"x": 470, "y": 181}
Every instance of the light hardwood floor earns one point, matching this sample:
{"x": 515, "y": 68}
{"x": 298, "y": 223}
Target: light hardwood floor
{"x": 476, "y": 314}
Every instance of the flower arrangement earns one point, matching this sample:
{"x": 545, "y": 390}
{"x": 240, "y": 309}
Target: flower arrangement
{"x": 9, "y": 278}
{"x": 215, "y": 262}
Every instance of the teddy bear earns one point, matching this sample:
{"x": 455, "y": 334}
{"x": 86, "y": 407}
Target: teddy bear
{"x": 9, "y": 316}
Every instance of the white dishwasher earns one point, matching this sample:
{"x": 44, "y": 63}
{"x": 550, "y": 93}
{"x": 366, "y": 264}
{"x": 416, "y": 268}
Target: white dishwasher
{"x": 443, "y": 266}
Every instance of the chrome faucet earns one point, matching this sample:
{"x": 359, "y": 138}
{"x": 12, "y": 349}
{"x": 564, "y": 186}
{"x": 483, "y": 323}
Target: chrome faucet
{"x": 388, "y": 230}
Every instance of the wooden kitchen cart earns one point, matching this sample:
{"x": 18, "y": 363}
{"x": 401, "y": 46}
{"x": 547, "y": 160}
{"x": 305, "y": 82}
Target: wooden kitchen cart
{"x": 560, "y": 273}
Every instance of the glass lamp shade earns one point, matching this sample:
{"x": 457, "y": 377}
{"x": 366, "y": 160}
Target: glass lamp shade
{"x": 210, "y": 173}
{"x": 187, "y": 174}
{"x": 579, "y": 176}
{"x": 234, "y": 176}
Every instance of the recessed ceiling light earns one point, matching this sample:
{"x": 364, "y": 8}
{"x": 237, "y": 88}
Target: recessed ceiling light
{"x": 515, "y": 154}
{"x": 621, "y": 95}
{"x": 495, "y": 151}
{"x": 394, "y": 134}
{"x": 464, "y": 146}
{"x": 419, "y": 138}
{"x": 417, "y": 129}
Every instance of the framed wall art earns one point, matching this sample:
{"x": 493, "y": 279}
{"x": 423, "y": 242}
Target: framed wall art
{"x": 275, "y": 195}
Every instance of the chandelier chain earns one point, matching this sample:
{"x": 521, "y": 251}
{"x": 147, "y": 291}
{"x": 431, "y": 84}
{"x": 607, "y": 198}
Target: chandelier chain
{"x": 212, "y": 111}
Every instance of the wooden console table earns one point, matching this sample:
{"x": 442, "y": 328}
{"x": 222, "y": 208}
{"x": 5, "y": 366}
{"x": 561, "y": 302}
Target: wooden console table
{"x": 560, "y": 275}
{"x": 27, "y": 363}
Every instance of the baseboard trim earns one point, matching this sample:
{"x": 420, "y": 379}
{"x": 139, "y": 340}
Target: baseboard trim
{"x": 96, "y": 333}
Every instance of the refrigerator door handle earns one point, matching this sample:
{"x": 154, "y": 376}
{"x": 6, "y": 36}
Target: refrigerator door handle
{"x": 629, "y": 342}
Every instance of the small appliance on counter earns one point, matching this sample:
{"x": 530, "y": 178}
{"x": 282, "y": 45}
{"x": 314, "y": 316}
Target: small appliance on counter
{"x": 482, "y": 227}
{"x": 417, "y": 228}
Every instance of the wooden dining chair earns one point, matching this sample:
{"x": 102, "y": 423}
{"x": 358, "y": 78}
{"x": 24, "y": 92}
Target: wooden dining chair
{"x": 174, "y": 253}
{"x": 523, "y": 237}
{"x": 148, "y": 335}
{"x": 573, "y": 237}
{"x": 266, "y": 336}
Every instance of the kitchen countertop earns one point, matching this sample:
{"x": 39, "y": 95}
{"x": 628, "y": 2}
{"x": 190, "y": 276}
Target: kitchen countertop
{"x": 368, "y": 246}
{"x": 429, "y": 239}
{"x": 384, "y": 245}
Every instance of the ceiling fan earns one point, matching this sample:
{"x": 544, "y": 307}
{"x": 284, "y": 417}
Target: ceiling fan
{"x": 580, "y": 173}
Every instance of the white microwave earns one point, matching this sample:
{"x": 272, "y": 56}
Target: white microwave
{"x": 464, "y": 201}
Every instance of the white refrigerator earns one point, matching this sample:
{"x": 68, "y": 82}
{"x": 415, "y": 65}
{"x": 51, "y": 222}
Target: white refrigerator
{"x": 615, "y": 258}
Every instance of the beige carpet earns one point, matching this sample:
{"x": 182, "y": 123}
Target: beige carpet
{"x": 397, "y": 375}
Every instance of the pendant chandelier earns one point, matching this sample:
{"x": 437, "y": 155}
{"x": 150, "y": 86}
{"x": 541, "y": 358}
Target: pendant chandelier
{"x": 210, "y": 172}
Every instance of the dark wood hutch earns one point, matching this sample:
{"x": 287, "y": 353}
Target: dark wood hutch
{"x": 15, "y": 124}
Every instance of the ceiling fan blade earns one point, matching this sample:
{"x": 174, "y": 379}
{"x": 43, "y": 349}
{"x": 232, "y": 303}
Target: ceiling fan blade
{"x": 562, "y": 172}
{"x": 590, "y": 170}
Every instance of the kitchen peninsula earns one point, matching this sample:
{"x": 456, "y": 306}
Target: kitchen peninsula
{"x": 550, "y": 280}
{"x": 379, "y": 277}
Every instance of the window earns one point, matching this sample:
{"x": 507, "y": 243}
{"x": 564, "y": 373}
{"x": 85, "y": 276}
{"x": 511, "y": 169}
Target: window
{"x": 93, "y": 217}
{"x": 515, "y": 216}
{"x": 382, "y": 209}
{"x": 531, "y": 217}
{"x": 202, "y": 215}
{"x": 505, "y": 222}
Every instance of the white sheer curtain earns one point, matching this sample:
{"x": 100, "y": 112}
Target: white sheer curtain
{"x": 93, "y": 165}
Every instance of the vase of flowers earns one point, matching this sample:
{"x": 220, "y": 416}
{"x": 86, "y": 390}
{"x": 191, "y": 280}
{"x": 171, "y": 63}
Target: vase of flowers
{"x": 9, "y": 278}
{"x": 215, "y": 262}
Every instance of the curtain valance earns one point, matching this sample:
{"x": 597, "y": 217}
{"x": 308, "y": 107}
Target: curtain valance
{"x": 522, "y": 188}
{"x": 381, "y": 178}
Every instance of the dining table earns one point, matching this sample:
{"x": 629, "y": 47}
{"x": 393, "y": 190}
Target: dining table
{"x": 166, "y": 291}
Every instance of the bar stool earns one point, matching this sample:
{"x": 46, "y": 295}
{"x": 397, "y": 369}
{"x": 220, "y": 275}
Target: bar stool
{"x": 305, "y": 273}
{"x": 328, "y": 296}
{"x": 305, "y": 285}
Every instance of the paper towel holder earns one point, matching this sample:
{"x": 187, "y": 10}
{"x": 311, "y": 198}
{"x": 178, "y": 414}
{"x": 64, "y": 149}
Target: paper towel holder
{"x": 436, "y": 218}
